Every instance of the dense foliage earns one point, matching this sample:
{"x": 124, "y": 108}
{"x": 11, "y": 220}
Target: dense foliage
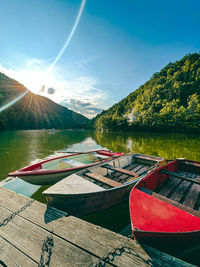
{"x": 170, "y": 100}
{"x": 33, "y": 111}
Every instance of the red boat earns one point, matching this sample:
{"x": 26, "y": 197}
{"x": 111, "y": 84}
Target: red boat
{"x": 165, "y": 207}
{"x": 53, "y": 170}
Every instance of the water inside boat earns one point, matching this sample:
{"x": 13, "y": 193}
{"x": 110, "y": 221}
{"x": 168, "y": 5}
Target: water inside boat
{"x": 73, "y": 161}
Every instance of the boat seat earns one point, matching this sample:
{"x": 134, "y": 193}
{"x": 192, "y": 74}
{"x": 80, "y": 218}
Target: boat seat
{"x": 175, "y": 174}
{"x": 114, "y": 168}
{"x": 102, "y": 179}
{"x": 170, "y": 201}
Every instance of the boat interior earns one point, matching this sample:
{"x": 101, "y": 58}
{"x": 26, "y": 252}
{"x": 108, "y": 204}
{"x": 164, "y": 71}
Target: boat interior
{"x": 178, "y": 184}
{"x": 73, "y": 161}
{"x": 120, "y": 171}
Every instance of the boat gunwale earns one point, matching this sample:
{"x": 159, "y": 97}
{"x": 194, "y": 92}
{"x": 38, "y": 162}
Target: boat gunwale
{"x": 90, "y": 193}
{"x": 126, "y": 184}
{"x": 168, "y": 234}
{"x": 23, "y": 172}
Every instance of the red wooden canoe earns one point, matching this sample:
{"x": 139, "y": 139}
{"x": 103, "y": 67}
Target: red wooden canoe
{"x": 53, "y": 170}
{"x": 165, "y": 204}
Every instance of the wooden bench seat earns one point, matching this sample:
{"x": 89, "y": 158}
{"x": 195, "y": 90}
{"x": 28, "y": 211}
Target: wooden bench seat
{"x": 175, "y": 174}
{"x": 113, "y": 168}
{"x": 167, "y": 189}
{"x": 102, "y": 179}
{"x": 192, "y": 196}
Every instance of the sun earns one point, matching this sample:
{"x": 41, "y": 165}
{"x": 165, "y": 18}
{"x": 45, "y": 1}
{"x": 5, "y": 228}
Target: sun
{"x": 34, "y": 79}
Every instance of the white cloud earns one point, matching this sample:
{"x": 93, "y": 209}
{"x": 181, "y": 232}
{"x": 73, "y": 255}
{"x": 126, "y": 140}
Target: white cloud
{"x": 85, "y": 108}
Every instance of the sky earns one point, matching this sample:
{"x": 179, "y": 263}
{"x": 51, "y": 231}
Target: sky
{"x": 87, "y": 55}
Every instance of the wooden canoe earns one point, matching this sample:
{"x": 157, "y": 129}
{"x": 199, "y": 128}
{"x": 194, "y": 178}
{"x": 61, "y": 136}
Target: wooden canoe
{"x": 100, "y": 187}
{"x": 165, "y": 205}
{"x": 53, "y": 170}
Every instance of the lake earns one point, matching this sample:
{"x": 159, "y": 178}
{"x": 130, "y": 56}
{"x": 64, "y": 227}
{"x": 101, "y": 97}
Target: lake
{"x": 21, "y": 148}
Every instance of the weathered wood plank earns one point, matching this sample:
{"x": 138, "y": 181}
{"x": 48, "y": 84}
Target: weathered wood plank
{"x": 113, "y": 168}
{"x": 180, "y": 190}
{"x": 138, "y": 167}
{"x": 71, "y": 236}
{"x": 175, "y": 174}
{"x": 102, "y": 179}
{"x": 144, "y": 169}
{"x": 11, "y": 256}
{"x": 119, "y": 176}
{"x": 192, "y": 196}
{"x": 169, "y": 187}
{"x": 94, "y": 239}
{"x": 29, "y": 238}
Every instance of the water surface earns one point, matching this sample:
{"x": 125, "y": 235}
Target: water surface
{"x": 21, "y": 148}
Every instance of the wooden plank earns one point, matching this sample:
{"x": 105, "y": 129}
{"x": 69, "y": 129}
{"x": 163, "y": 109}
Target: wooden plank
{"x": 169, "y": 187}
{"x": 143, "y": 169}
{"x": 95, "y": 241}
{"x": 29, "y": 238}
{"x": 172, "y": 202}
{"x": 102, "y": 179}
{"x": 120, "y": 175}
{"x": 175, "y": 174}
{"x": 11, "y": 256}
{"x": 188, "y": 174}
{"x": 191, "y": 163}
{"x": 180, "y": 190}
{"x": 111, "y": 167}
{"x": 138, "y": 167}
{"x": 148, "y": 158}
{"x": 192, "y": 196}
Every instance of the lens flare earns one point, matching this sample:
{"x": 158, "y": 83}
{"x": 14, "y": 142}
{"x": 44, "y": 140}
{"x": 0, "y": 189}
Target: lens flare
{"x": 57, "y": 57}
{"x": 13, "y": 101}
{"x": 69, "y": 37}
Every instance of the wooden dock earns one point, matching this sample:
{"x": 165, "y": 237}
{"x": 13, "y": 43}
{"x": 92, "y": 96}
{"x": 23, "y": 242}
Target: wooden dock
{"x": 32, "y": 234}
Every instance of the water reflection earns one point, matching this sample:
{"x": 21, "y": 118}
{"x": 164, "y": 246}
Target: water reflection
{"x": 168, "y": 145}
{"x": 21, "y": 148}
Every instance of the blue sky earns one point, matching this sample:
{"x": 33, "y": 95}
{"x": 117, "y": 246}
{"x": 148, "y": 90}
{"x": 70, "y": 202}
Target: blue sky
{"x": 116, "y": 47}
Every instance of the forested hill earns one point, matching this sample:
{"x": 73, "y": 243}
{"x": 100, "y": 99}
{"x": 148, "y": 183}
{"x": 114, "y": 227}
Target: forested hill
{"x": 33, "y": 111}
{"x": 170, "y": 100}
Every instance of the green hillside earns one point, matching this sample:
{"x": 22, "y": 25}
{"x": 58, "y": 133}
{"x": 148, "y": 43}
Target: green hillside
{"x": 170, "y": 100}
{"x": 33, "y": 111}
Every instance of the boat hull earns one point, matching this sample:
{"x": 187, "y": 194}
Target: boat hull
{"x": 84, "y": 204}
{"x": 169, "y": 242}
{"x": 159, "y": 221}
{"x": 35, "y": 174}
{"x": 47, "y": 179}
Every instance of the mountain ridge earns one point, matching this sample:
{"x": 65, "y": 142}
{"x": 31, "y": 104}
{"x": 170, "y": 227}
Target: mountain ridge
{"x": 33, "y": 111}
{"x": 170, "y": 100}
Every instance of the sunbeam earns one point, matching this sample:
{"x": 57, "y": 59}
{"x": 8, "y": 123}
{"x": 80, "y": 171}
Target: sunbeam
{"x": 57, "y": 57}
{"x": 13, "y": 101}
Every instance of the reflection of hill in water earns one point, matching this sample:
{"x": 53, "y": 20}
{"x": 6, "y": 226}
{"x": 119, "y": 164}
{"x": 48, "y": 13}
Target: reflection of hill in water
{"x": 19, "y": 148}
{"x": 164, "y": 145}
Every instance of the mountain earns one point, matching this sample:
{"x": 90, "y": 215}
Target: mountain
{"x": 33, "y": 111}
{"x": 169, "y": 101}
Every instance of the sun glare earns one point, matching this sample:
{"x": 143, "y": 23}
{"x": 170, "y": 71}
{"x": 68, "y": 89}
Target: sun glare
{"x": 34, "y": 79}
